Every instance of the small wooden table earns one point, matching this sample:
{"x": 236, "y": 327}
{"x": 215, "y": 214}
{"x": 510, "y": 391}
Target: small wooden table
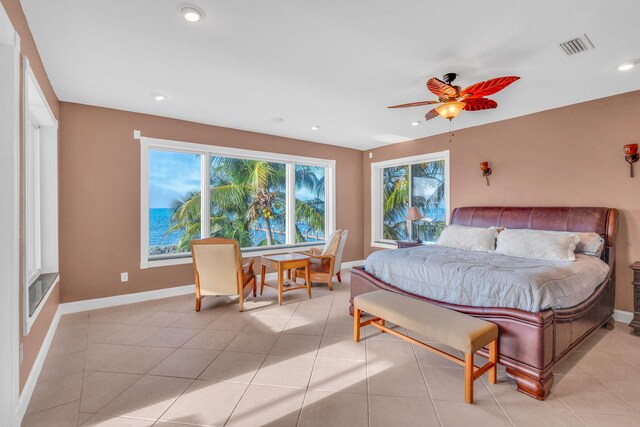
{"x": 282, "y": 263}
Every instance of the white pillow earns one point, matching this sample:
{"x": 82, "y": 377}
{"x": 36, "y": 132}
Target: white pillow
{"x": 471, "y": 238}
{"x": 590, "y": 244}
{"x": 538, "y": 244}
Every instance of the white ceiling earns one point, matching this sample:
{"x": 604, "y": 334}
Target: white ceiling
{"x": 332, "y": 63}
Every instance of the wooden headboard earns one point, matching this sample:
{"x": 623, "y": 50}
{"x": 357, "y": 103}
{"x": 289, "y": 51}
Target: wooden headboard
{"x": 599, "y": 220}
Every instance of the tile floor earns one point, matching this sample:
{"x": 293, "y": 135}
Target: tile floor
{"x": 160, "y": 363}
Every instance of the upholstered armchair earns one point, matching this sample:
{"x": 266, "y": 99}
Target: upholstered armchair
{"x": 327, "y": 262}
{"x": 218, "y": 269}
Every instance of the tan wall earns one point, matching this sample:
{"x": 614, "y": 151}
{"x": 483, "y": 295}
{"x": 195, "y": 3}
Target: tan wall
{"x": 100, "y": 195}
{"x": 32, "y": 342}
{"x": 570, "y": 156}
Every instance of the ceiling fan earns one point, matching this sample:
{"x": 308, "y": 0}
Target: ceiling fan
{"x": 454, "y": 99}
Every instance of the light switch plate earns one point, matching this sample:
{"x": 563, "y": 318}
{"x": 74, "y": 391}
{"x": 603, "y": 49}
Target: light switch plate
{"x": 124, "y": 277}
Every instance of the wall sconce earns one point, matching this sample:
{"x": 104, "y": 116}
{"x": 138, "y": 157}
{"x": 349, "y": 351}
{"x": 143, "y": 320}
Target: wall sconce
{"x": 486, "y": 171}
{"x": 631, "y": 156}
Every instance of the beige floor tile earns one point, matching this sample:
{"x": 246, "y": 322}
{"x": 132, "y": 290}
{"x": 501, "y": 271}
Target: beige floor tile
{"x": 585, "y": 394}
{"x": 505, "y": 393}
{"x": 198, "y": 320}
{"x": 264, "y": 405}
{"x": 336, "y": 347}
{"x": 185, "y": 363}
{"x": 55, "y": 392}
{"x": 390, "y": 379}
{"x": 323, "y": 408}
{"x": 137, "y": 359}
{"x": 629, "y": 390}
{"x": 448, "y": 384}
{"x": 544, "y": 417}
{"x": 100, "y": 420}
{"x": 207, "y": 403}
{"x": 340, "y": 326}
{"x": 267, "y": 324}
{"x": 285, "y": 371}
{"x": 100, "y": 388}
{"x": 387, "y": 411}
{"x": 292, "y": 345}
{"x": 72, "y": 327}
{"x": 455, "y": 414}
{"x": 599, "y": 364}
{"x": 210, "y": 339}
{"x": 132, "y": 335}
{"x": 66, "y": 344}
{"x": 608, "y": 420}
{"x": 60, "y": 416}
{"x": 148, "y": 398}
{"x": 275, "y": 310}
{"x": 311, "y": 311}
{"x": 159, "y": 318}
{"x": 83, "y": 416}
{"x": 394, "y": 351}
{"x": 429, "y": 358}
{"x": 339, "y": 375}
{"x": 170, "y": 337}
{"x": 61, "y": 365}
{"x": 100, "y": 332}
{"x": 304, "y": 326}
{"x": 233, "y": 367}
{"x": 253, "y": 342}
{"x": 98, "y": 355}
{"x": 232, "y": 320}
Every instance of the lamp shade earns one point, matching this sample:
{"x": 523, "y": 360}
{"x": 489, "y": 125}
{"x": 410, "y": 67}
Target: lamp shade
{"x": 413, "y": 214}
{"x": 451, "y": 109}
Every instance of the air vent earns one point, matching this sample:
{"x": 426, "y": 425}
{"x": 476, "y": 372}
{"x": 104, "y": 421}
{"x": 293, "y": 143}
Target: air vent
{"x": 577, "y": 45}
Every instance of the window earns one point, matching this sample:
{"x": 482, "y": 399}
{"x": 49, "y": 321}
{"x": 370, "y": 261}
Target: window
{"x": 265, "y": 201}
{"x": 420, "y": 181}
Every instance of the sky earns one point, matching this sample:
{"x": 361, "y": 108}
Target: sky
{"x": 174, "y": 175}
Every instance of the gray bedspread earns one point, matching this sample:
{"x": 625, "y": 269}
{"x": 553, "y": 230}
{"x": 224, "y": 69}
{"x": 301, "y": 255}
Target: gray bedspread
{"x": 484, "y": 279}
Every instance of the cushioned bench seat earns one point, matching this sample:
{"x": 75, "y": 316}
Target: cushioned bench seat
{"x": 459, "y": 331}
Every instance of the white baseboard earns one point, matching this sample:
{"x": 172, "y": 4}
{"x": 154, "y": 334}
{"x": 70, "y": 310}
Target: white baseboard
{"x": 350, "y": 264}
{"x": 623, "y": 316}
{"x": 30, "y": 385}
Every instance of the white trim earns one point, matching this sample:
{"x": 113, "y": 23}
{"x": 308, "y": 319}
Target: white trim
{"x": 147, "y": 143}
{"x": 32, "y": 380}
{"x": 376, "y": 191}
{"x": 622, "y": 316}
{"x": 290, "y": 204}
{"x": 137, "y": 134}
{"x": 9, "y": 221}
{"x": 205, "y": 196}
{"x": 152, "y": 263}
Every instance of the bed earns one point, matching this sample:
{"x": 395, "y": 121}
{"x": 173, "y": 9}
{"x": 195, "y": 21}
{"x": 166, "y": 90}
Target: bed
{"x": 531, "y": 342}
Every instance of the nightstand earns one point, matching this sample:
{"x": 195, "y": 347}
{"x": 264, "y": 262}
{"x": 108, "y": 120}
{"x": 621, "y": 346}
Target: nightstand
{"x": 409, "y": 244}
{"x": 635, "y": 323}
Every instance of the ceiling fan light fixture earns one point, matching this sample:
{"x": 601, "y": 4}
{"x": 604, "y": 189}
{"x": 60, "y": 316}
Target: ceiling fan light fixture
{"x": 626, "y": 66}
{"x": 449, "y": 110}
{"x": 190, "y": 12}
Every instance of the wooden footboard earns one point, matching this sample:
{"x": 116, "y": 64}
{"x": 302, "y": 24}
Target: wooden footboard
{"x": 530, "y": 343}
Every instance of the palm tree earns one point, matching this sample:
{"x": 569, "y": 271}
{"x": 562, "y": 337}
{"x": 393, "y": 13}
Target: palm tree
{"x": 248, "y": 198}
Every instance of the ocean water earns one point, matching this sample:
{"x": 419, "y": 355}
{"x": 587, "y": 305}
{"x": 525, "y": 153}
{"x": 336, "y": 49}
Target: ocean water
{"x": 160, "y": 222}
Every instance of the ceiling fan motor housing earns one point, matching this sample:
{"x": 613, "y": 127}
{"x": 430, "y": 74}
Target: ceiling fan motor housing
{"x": 449, "y": 78}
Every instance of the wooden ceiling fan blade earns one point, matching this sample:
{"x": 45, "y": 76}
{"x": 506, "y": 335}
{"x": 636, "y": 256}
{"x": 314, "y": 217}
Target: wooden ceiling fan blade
{"x": 477, "y": 104}
{"x": 431, "y": 114}
{"x": 414, "y": 104}
{"x": 489, "y": 87}
{"x": 441, "y": 89}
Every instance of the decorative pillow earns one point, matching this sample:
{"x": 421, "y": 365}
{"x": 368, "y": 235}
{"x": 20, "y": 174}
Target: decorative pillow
{"x": 590, "y": 244}
{"x": 471, "y": 238}
{"x": 537, "y": 244}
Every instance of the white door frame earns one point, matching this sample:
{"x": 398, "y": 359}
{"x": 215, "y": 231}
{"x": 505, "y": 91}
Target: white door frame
{"x": 9, "y": 220}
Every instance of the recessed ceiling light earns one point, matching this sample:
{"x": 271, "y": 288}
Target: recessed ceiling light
{"x": 415, "y": 123}
{"x": 191, "y": 12}
{"x": 626, "y": 66}
{"x": 315, "y": 127}
{"x": 159, "y": 97}
{"x": 276, "y": 120}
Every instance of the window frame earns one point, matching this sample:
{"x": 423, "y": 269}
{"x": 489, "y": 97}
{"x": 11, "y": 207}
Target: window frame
{"x": 206, "y": 152}
{"x": 377, "y": 194}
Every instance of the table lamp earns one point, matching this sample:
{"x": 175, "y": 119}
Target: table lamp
{"x": 413, "y": 214}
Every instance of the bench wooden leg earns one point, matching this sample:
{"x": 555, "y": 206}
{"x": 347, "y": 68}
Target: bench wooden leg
{"x": 493, "y": 358}
{"x": 356, "y": 324}
{"x": 468, "y": 378}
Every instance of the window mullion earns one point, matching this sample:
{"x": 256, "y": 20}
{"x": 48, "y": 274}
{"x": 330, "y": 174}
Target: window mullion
{"x": 291, "y": 203}
{"x": 205, "y": 197}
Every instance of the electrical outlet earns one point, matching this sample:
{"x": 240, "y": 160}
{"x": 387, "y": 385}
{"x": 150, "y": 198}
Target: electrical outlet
{"x": 124, "y": 277}
{"x": 371, "y": 155}
{"x": 21, "y": 353}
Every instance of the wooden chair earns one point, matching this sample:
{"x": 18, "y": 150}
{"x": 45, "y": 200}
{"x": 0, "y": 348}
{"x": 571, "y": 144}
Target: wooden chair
{"x": 327, "y": 262}
{"x": 218, "y": 269}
